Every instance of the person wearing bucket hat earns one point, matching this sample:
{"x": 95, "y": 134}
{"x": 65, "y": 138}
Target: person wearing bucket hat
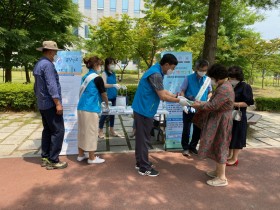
{"x": 145, "y": 104}
{"x": 110, "y": 82}
{"x": 48, "y": 94}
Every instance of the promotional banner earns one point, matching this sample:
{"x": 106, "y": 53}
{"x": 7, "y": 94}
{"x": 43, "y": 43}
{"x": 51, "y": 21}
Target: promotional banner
{"x": 69, "y": 62}
{"x": 172, "y": 83}
{"x": 69, "y": 68}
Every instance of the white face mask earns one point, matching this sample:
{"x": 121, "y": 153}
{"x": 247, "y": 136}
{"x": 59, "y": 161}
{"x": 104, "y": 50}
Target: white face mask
{"x": 112, "y": 67}
{"x": 55, "y": 57}
{"x": 201, "y": 73}
{"x": 213, "y": 82}
{"x": 98, "y": 70}
{"x": 233, "y": 82}
{"x": 169, "y": 72}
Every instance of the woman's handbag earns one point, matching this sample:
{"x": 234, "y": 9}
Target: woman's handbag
{"x": 237, "y": 114}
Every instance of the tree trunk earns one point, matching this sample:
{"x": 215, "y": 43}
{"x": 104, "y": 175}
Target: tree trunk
{"x": 7, "y": 66}
{"x": 211, "y": 31}
{"x": 123, "y": 70}
{"x": 263, "y": 76}
{"x": 8, "y": 74}
{"x": 26, "y": 74}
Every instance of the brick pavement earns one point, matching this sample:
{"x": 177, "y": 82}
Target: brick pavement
{"x": 20, "y": 134}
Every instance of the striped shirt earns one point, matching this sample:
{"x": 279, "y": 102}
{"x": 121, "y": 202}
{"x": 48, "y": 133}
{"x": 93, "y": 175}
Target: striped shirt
{"x": 47, "y": 86}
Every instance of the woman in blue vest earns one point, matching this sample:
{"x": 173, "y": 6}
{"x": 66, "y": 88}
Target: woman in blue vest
{"x": 92, "y": 93}
{"x": 109, "y": 78}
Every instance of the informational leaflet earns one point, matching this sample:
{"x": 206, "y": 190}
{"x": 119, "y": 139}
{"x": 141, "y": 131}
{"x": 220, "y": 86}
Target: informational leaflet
{"x": 69, "y": 68}
{"x": 172, "y": 83}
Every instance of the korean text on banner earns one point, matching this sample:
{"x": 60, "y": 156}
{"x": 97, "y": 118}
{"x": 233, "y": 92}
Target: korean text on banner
{"x": 172, "y": 83}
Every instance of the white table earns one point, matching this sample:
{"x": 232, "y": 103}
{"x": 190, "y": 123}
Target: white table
{"x": 121, "y": 110}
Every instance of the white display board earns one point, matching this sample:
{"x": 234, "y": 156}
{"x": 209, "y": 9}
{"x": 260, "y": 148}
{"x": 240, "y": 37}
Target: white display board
{"x": 172, "y": 83}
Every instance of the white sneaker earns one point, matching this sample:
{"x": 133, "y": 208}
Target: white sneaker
{"x": 186, "y": 153}
{"x": 96, "y": 160}
{"x": 82, "y": 158}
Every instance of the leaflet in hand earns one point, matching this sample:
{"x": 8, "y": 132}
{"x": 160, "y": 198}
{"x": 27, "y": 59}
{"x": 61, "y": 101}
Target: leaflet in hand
{"x": 190, "y": 103}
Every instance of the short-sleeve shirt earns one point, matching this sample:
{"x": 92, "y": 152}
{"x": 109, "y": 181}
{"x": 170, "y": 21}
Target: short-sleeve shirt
{"x": 99, "y": 83}
{"x": 156, "y": 81}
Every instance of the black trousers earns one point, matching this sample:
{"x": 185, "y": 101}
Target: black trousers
{"x": 52, "y": 135}
{"x": 143, "y": 127}
{"x": 111, "y": 117}
{"x": 187, "y": 122}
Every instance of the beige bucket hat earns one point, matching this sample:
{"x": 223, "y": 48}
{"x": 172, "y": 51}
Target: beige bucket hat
{"x": 50, "y": 45}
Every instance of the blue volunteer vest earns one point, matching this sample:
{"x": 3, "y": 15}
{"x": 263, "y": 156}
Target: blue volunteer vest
{"x": 194, "y": 85}
{"x": 146, "y": 100}
{"x": 90, "y": 100}
{"x": 111, "y": 92}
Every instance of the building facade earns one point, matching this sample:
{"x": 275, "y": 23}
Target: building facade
{"x": 93, "y": 10}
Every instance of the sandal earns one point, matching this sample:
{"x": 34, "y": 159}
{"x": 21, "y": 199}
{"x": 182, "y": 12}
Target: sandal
{"x": 114, "y": 134}
{"x": 101, "y": 136}
{"x": 217, "y": 182}
{"x": 212, "y": 174}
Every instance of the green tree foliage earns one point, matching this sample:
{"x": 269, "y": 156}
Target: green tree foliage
{"x": 151, "y": 32}
{"x": 131, "y": 39}
{"x": 25, "y": 24}
{"x": 211, "y": 16}
{"x": 112, "y": 38}
{"x": 260, "y": 54}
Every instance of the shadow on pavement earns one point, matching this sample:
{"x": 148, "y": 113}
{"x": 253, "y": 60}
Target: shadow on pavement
{"x": 117, "y": 185}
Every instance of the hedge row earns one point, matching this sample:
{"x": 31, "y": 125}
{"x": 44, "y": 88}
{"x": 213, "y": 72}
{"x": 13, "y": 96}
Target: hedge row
{"x": 267, "y": 104}
{"x": 17, "y": 97}
{"x": 20, "y": 97}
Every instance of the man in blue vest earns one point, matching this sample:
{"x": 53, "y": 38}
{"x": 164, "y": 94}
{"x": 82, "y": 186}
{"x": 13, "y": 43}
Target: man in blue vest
{"x": 145, "y": 104}
{"x": 190, "y": 89}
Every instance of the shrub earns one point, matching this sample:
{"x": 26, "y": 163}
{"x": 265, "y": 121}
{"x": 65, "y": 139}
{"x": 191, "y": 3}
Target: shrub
{"x": 17, "y": 97}
{"x": 127, "y": 72}
{"x": 131, "y": 89}
{"x": 21, "y": 97}
{"x": 267, "y": 104}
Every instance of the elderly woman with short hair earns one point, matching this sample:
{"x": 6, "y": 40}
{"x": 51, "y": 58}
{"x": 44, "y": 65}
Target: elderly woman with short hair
{"x": 214, "y": 118}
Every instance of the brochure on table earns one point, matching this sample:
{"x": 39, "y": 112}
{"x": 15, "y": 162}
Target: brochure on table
{"x": 127, "y": 110}
{"x": 172, "y": 83}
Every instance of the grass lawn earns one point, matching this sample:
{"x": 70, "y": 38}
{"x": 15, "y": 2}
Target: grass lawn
{"x": 17, "y": 76}
{"x": 267, "y": 91}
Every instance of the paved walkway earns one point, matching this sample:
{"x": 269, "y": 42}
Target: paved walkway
{"x": 20, "y": 134}
{"x": 116, "y": 185}
{"x": 253, "y": 184}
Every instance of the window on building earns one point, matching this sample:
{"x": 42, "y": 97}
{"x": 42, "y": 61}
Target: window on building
{"x": 124, "y": 6}
{"x": 75, "y": 1}
{"x": 76, "y": 31}
{"x": 87, "y": 4}
{"x": 113, "y": 5}
{"x": 86, "y": 31}
{"x": 136, "y": 6}
{"x": 100, "y": 4}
